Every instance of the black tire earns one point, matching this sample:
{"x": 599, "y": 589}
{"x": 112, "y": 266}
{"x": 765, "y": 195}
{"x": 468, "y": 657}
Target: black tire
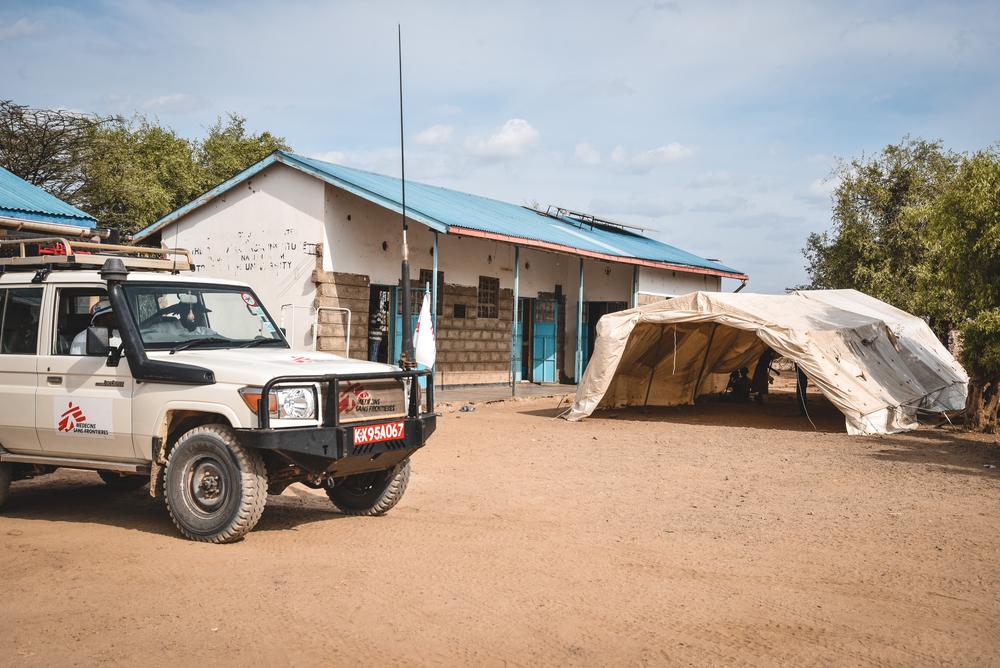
{"x": 214, "y": 487}
{"x": 371, "y": 494}
{"x": 123, "y": 483}
{"x": 6, "y": 475}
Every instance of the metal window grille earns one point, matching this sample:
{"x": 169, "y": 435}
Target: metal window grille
{"x": 489, "y": 297}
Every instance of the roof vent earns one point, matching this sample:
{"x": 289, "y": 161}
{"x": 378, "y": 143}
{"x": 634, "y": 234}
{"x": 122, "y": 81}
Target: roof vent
{"x": 114, "y": 270}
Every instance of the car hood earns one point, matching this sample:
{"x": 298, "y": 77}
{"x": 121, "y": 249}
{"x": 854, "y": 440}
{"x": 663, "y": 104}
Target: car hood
{"x": 256, "y": 366}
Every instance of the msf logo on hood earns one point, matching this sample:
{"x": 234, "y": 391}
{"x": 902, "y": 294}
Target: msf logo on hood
{"x": 71, "y": 417}
{"x": 354, "y": 397}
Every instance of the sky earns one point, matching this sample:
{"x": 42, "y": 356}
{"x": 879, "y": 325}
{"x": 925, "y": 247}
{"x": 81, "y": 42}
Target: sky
{"x": 716, "y": 126}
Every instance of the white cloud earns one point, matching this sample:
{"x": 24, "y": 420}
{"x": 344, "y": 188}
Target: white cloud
{"x": 435, "y": 135}
{"x": 514, "y": 139}
{"x": 587, "y": 154}
{"x": 714, "y": 180}
{"x": 725, "y": 204}
{"x": 645, "y": 161}
{"x": 336, "y": 157}
{"x": 19, "y": 28}
{"x": 177, "y": 103}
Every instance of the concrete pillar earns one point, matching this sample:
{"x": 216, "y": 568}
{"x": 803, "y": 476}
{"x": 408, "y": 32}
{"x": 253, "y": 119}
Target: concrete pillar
{"x": 515, "y": 349}
{"x": 635, "y": 287}
{"x": 578, "y": 371}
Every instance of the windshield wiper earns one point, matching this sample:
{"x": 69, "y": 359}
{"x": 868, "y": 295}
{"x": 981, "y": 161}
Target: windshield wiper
{"x": 259, "y": 342}
{"x": 198, "y": 342}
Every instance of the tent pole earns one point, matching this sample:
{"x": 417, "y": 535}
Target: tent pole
{"x": 514, "y": 348}
{"x": 704, "y": 362}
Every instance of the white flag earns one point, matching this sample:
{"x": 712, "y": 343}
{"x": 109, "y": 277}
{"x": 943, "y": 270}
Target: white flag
{"x": 423, "y": 338}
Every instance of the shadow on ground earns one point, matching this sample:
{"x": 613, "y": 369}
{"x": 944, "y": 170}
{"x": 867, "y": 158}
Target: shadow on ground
{"x": 80, "y": 497}
{"x": 778, "y": 412}
{"x": 949, "y": 450}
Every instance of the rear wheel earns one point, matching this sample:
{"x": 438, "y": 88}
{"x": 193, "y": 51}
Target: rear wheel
{"x": 371, "y": 494}
{"x": 6, "y": 475}
{"x": 123, "y": 483}
{"x": 214, "y": 487}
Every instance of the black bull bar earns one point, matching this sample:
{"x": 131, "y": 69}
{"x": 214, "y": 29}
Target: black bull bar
{"x": 329, "y": 448}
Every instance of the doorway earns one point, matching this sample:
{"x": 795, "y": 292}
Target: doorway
{"x": 544, "y": 340}
{"x": 380, "y": 322}
{"x": 592, "y": 313}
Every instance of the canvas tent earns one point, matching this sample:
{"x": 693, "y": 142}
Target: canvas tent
{"x": 877, "y": 364}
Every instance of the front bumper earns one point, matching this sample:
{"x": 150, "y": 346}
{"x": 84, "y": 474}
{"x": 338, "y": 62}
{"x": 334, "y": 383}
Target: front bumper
{"x": 330, "y": 450}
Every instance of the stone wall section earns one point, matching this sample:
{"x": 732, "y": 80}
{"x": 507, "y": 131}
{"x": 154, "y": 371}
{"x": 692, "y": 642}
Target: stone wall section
{"x": 341, "y": 290}
{"x": 470, "y": 350}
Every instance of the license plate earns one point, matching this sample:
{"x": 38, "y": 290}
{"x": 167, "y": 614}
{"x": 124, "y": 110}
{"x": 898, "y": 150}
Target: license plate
{"x": 376, "y": 433}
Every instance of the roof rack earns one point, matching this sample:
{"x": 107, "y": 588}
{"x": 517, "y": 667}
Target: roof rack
{"x": 60, "y": 253}
{"x": 580, "y": 219}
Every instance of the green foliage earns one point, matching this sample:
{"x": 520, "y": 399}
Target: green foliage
{"x": 981, "y": 344}
{"x": 228, "y": 149}
{"x": 137, "y": 172}
{"x": 878, "y": 242}
{"x": 126, "y": 173}
{"x": 965, "y": 234}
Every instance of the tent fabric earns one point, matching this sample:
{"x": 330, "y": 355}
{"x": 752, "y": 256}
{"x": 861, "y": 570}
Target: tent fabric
{"x": 879, "y": 365}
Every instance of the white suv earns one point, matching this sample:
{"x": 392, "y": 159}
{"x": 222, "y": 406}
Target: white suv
{"x": 187, "y": 384}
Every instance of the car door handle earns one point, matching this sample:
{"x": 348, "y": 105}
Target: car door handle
{"x": 54, "y": 380}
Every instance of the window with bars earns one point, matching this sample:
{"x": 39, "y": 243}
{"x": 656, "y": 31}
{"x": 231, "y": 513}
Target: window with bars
{"x": 489, "y": 297}
{"x": 425, "y": 280}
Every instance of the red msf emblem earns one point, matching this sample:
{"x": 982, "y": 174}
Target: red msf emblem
{"x": 71, "y": 417}
{"x": 352, "y": 396}
{"x": 301, "y": 359}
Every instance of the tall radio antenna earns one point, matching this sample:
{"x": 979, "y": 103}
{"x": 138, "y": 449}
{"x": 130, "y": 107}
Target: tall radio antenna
{"x": 406, "y": 354}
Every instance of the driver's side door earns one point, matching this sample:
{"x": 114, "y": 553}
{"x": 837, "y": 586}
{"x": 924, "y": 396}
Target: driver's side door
{"x": 83, "y": 407}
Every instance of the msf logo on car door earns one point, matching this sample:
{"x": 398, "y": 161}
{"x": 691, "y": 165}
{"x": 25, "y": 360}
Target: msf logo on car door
{"x": 91, "y": 418}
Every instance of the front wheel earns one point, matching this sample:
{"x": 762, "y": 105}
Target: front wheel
{"x": 123, "y": 483}
{"x": 215, "y": 488}
{"x": 371, "y": 494}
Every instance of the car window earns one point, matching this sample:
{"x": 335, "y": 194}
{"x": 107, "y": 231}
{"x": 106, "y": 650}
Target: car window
{"x": 19, "y": 322}
{"x": 76, "y": 308}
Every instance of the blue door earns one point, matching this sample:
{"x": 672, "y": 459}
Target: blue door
{"x": 397, "y": 308}
{"x": 543, "y": 343}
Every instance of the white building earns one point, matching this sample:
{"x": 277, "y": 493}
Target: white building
{"x": 321, "y": 243}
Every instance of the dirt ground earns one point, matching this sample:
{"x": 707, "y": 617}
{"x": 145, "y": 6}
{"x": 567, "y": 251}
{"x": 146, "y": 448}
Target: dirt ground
{"x": 708, "y": 535}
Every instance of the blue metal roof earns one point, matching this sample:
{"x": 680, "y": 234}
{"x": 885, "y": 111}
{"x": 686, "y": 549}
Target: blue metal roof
{"x": 455, "y": 212}
{"x": 23, "y": 201}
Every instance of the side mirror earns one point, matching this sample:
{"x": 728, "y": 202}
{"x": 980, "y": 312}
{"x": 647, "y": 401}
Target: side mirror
{"x": 98, "y": 341}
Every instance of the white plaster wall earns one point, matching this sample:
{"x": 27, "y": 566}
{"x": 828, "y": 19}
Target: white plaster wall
{"x": 262, "y": 232}
{"x": 667, "y": 283}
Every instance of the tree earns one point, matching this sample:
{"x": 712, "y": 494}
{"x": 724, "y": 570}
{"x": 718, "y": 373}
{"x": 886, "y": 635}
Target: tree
{"x": 126, "y": 173}
{"x": 878, "y": 241}
{"x": 964, "y": 231}
{"x": 136, "y": 173}
{"x": 919, "y": 227}
{"x": 228, "y": 149}
{"x": 48, "y": 148}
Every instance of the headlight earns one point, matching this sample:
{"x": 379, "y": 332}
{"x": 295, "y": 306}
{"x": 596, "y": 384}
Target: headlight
{"x": 297, "y": 403}
{"x": 288, "y": 403}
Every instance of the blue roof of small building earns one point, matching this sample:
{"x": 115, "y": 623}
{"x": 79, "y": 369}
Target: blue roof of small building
{"x": 23, "y": 201}
{"x": 454, "y": 212}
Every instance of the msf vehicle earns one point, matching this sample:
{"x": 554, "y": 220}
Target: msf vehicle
{"x": 117, "y": 360}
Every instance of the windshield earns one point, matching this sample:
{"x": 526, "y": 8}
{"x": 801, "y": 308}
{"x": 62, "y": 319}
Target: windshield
{"x": 171, "y": 315}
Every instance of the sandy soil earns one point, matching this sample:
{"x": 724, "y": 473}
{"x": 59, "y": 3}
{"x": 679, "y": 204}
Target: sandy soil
{"x": 708, "y": 535}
